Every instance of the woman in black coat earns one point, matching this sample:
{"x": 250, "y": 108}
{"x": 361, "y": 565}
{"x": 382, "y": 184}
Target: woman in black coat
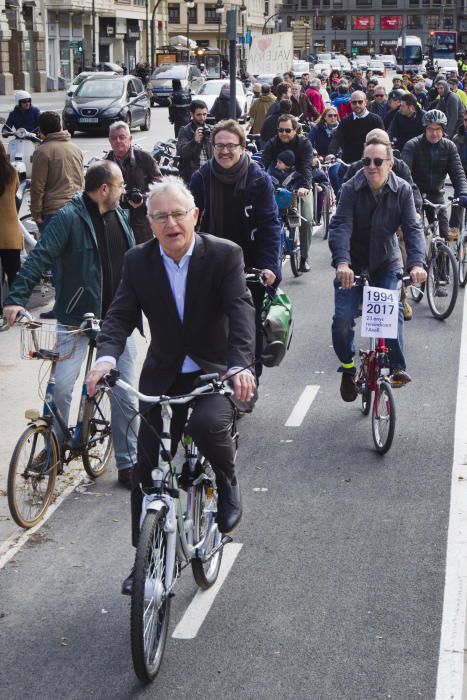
{"x": 221, "y": 107}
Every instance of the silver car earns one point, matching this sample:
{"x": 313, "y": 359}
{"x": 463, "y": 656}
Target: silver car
{"x": 161, "y": 81}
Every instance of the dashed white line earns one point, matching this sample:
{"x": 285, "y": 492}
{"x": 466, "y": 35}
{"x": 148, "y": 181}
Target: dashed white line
{"x": 450, "y": 679}
{"x": 301, "y": 407}
{"x": 197, "y": 611}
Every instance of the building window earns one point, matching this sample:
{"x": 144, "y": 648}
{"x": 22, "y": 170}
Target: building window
{"x": 319, "y": 23}
{"x": 338, "y": 22}
{"x": 414, "y": 3}
{"x": 338, "y": 3}
{"x": 289, "y": 22}
{"x": 210, "y": 15}
{"x": 303, "y": 4}
{"x": 391, "y": 22}
{"x": 364, "y": 3}
{"x": 141, "y": 3}
{"x": 326, "y": 3}
{"x": 193, "y": 14}
{"x": 174, "y": 13}
{"x": 432, "y": 22}
{"x": 315, "y": 3}
{"x": 389, "y": 3}
{"x": 363, "y": 22}
{"x": 414, "y": 21}
{"x": 448, "y": 22}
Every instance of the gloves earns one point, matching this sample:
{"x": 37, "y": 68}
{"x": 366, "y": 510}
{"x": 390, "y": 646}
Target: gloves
{"x": 463, "y": 200}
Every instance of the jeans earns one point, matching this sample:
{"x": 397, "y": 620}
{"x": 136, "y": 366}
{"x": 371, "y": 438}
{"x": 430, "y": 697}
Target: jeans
{"x": 336, "y": 175}
{"x": 346, "y": 310}
{"x": 54, "y": 270}
{"x": 123, "y": 407}
{"x": 306, "y": 227}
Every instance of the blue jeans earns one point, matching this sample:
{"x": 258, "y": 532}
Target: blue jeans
{"x": 123, "y": 407}
{"x": 346, "y": 310}
{"x": 54, "y": 269}
{"x": 336, "y": 175}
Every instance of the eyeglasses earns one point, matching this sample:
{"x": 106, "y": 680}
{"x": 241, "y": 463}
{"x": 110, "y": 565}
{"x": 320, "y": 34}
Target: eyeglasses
{"x": 329, "y": 114}
{"x": 284, "y": 130}
{"x": 377, "y": 161}
{"x": 163, "y": 217}
{"x": 120, "y": 185}
{"x": 226, "y": 147}
{"x": 379, "y": 94}
{"x": 357, "y": 102}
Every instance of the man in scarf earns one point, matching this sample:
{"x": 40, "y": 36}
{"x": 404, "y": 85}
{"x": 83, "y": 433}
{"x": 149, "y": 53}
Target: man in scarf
{"x": 236, "y": 200}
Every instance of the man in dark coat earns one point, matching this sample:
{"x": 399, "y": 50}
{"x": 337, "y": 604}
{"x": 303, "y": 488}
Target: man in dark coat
{"x": 179, "y": 106}
{"x": 407, "y": 123}
{"x": 194, "y": 141}
{"x": 352, "y": 130}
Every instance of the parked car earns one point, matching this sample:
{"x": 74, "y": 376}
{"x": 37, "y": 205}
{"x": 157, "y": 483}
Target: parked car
{"x": 76, "y": 82}
{"x": 98, "y": 102}
{"x": 300, "y": 67}
{"x": 445, "y": 64}
{"x": 211, "y": 89}
{"x": 107, "y": 67}
{"x": 322, "y": 67}
{"x": 378, "y": 68}
{"x": 388, "y": 59}
{"x": 161, "y": 80}
{"x": 267, "y": 78}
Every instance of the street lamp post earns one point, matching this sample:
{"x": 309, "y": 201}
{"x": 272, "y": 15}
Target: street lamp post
{"x": 219, "y": 11}
{"x": 268, "y": 19}
{"x": 243, "y": 12}
{"x": 147, "y": 32}
{"x": 93, "y": 13}
{"x": 189, "y": 6}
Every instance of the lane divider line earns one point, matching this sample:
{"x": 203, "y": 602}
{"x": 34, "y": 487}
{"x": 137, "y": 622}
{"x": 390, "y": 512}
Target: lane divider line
{"x": 450, "y": 681}
{"x": 302, "y": 406}
{"x": 197, "y": 611}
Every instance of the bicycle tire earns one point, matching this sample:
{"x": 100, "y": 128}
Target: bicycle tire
{"x": 365, "y": 393}
{"x": 97, "y": 434}
{"x": 463, "y": 259}
{"x": 326, "y": 213}
{"x": 30, "y": 493}
{"x": 150, "y": 606}
{"x": 204, "y": 510}
{"x": 442, "y": 277}
{"x": 383, "y": 418}
{"x": 294, "y": 238}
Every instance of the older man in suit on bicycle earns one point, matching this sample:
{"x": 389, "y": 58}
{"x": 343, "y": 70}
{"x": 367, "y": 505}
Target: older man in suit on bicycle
{"x": 193, "y": 292}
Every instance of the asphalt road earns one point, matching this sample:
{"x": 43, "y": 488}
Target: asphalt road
{"x": 337, "y": 590}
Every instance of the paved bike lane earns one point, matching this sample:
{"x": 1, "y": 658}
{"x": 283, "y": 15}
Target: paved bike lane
{"x": 338, "y": 589}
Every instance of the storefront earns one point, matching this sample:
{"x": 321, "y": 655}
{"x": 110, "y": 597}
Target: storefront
{"x": 387, "y": 46}
{"x": 107, "y": 35}
{"x": 64, "y": 35}
{"x": 131, "y": 37}
{"x": 364, "y": 23}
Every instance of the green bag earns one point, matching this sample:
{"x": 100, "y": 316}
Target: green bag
{"x": 277, "y": 327}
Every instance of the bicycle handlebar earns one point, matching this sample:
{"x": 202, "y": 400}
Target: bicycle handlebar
{"x": 22, "y": 314}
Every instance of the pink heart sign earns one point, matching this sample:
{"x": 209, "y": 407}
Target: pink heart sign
{"x": 264, "y": 44}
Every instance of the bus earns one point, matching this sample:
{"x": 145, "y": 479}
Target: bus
{"x": 443, "y": 44}
{"x": 409, "y": 54}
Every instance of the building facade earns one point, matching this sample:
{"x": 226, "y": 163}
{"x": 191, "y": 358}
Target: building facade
{"x": 373, "y": 26}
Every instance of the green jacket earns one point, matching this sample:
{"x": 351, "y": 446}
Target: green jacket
{"x": 68, "y": 240}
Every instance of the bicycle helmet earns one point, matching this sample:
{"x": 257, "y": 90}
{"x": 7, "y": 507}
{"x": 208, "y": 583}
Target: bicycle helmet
{"x": 21, "y": 95}
{"x": 434, "y": 116}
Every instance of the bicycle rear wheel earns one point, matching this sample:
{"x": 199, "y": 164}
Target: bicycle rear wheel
{"x": 383, "y": 418}
{"x": 442, "y": 282}
{"x": 150, "y": 601}
{"x": 326, "y": 212}
{"x": 463, "y": 258}
{"x": 293, "y": 244}
{"x": 31, "y": 476}
{"x": 205, "y": 508}
{"x": 97, "y": 435}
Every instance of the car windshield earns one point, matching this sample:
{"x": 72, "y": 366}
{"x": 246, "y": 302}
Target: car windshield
{"x": 100, "y": 88}
{"x": 169, "y": 72}
{"x": 213, "y": 87}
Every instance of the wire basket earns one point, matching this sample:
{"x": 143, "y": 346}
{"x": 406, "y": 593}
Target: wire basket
{"x": 42, "y": 341}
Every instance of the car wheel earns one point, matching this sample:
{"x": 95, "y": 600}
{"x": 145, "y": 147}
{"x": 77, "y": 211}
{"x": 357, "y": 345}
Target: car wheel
{"x": 147, "y": 121}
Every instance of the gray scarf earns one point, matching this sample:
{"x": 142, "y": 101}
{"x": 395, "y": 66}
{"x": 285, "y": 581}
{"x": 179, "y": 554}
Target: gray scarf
{"x": 236, "y": 175}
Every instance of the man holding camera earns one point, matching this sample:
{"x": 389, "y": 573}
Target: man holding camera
{"x": 139, "y": 171}
{"x": 194, "y": 141}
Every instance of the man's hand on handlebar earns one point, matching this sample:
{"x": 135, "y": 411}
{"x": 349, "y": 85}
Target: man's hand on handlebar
{"x": 345, "y": 275}
{"x": 418, "y": 275}
{"x": 243, "y": 383}
{"x": 302, "y": 191}
{"x": 268, "y": 276}
{"x": 95, "y": 375}
{"x": 11, "y": 312}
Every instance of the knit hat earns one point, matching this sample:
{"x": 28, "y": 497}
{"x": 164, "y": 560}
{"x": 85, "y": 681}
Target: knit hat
{"x": 287, "y": 157}
{"x": 396, "y": 94}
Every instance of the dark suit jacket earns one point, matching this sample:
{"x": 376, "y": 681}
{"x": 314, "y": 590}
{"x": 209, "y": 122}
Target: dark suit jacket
{"x": 218, "y": 330}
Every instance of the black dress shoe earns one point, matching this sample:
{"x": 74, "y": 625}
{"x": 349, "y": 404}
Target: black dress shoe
{"x": 48, "y": 314}
{"x": 229, "y": 505}
{"x": 304, "y": 266}
{"x": 127, "y": 585}
{"x": 348, "y": 388}
{"x": 124, "y": 477}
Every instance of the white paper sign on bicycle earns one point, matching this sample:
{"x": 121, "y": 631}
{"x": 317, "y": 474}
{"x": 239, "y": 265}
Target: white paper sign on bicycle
{"x": 380, "y": 311}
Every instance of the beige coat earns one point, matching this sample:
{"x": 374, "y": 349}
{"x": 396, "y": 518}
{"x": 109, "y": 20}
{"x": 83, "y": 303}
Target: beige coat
{"x": 258, "y": 111}
{"x": 10, "y": 232}
{"x": 57, "y": 174}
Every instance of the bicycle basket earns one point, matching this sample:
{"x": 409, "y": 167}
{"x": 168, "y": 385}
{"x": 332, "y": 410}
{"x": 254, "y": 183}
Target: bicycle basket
{"x": 277, "y": 328}
{"x": 41, "y": 341}
{"x": 283, "y": 198}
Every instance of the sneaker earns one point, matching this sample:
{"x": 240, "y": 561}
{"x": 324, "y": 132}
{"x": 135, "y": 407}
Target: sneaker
{"x": 399, "y": 377}
{"x": 453, "y": 234}
{"x": 408, "y": 313}
{"x": 348, "y": 388}
{"x": 304, "y": 266}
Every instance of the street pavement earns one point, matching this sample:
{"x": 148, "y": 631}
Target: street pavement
{"x": 337, "y": 591}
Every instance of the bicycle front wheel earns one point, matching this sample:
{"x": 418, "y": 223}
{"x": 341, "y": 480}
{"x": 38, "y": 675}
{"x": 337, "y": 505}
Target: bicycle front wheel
{"x": 383, "y": 418}
{"x": 463, "y": 259}
{"x": 205, "y": 530}
{"x": 326, "y": 213}
{"x": 293, "y": 242}
{"x": 150, "y": 602}
{"x": 31, "y": 476}
{"x": 97, "y": 435}
{"x": 442, "y": 282}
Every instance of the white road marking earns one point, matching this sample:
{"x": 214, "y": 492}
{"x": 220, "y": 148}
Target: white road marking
{"x": 450, "y": 680}
{"x": 13, "y": 544}
{"x": 301, "y": 407}
{"x": 197, "y": 611}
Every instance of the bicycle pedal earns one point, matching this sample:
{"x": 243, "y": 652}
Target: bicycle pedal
{"x": 171, "y": 595}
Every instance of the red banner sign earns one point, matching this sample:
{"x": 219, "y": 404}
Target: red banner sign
{"x": 391, "y": 22}
{"x": 363, "y": 22}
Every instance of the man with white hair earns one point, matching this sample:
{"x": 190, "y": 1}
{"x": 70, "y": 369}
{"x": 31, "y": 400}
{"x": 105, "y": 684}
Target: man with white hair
{"x": 192, "y": 290}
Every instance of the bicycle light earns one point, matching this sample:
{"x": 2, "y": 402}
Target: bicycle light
{"x": 32, "y": 414}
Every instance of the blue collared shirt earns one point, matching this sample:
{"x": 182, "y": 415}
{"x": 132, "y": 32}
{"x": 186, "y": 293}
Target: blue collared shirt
{"x": 177, "y": 274}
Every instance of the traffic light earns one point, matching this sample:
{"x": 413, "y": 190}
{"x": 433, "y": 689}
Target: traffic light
{"x": 79, "y": 48}
{"x": 432, "y": 34}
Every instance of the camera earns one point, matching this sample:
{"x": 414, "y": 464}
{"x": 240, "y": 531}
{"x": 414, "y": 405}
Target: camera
{"x": 134, "y": 195}
{"x": 206, "y": 130}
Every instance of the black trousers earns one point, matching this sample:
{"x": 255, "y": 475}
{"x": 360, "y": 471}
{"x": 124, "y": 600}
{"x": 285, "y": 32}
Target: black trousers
{"x": 258, "y": 292}
{"x": 209, "y": 425}
{"x": 11, "y": 263}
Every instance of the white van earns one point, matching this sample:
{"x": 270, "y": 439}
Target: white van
{"x": 411, "y": 56}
